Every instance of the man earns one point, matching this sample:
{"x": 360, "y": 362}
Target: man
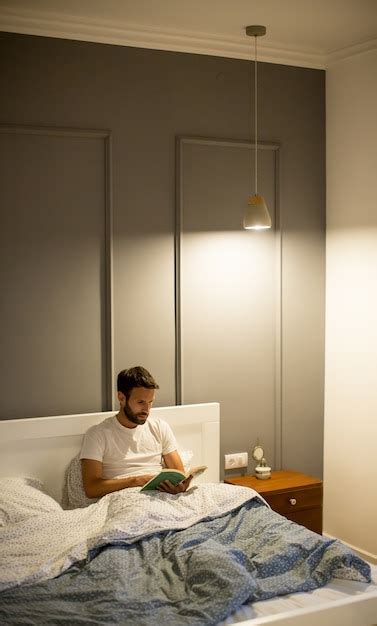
{"x": 127, "y": 449}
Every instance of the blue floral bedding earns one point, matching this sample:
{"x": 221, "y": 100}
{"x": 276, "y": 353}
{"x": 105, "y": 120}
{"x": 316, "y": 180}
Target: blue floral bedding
{"x": 195, "y": 576}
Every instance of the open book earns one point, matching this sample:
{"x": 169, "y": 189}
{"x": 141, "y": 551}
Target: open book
{"x": 172, "y": 475}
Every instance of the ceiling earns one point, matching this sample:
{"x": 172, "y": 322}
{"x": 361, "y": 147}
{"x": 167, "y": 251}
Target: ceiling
{"x": 308, "y": 33}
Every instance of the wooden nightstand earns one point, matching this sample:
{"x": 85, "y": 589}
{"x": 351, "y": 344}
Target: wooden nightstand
{"x": 296, "y": 496}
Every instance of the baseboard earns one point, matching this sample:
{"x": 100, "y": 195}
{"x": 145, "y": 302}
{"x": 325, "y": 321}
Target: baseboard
{"x": 367, "y": 556}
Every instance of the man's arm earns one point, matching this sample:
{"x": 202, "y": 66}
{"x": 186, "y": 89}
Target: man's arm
{"x": 173, "y": 461}
{"x": 95, "y": 486}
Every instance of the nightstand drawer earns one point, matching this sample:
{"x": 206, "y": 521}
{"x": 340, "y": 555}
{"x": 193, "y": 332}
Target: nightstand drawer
{"x": 310, "y": 518}
{"x": 295, "y": 500}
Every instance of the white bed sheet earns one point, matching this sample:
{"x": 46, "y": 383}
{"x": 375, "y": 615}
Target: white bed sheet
{"x": 335, "y": 592}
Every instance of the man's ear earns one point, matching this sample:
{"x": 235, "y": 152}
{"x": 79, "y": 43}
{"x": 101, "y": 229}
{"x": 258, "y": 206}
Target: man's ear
{"x": 121, "y": 396}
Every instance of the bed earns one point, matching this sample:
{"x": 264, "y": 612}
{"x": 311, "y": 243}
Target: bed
{"x": 214, "y": 555}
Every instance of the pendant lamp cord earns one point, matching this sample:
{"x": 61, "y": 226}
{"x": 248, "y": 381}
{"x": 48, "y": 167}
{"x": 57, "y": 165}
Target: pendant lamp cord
{"x": 256, "y": 116}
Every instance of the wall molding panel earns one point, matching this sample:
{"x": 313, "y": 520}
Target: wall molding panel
{"x": 61, "y": 233}
{"x": 228, "y": 281}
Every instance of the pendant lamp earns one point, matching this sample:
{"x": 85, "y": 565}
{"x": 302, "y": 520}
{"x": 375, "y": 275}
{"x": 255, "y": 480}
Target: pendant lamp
{"x": 256, "y": 215}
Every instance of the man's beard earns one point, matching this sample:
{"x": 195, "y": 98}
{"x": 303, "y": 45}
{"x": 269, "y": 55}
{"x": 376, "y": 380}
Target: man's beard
{"x": 136, "y": 418}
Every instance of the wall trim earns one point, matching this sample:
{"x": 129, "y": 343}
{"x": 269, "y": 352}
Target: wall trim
{"x": 351, "y": 51}
{"x": 279, "y": 318}
{"x": 177, "y": 269}
{"x": 109, "y": 273}
{"x": 62, "y": 26}
{"x": 367, "y": 556}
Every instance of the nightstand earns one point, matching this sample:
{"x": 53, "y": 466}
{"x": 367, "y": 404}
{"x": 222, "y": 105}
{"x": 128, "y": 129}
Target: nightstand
{"x": 292, "y": 494}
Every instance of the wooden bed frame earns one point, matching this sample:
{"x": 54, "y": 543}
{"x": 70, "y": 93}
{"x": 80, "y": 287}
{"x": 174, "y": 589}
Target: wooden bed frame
{"x": 42, "y": 447}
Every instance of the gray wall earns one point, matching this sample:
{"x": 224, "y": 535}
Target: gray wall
{"x": 229, "y": 289}
{"x": 146, "y": 98}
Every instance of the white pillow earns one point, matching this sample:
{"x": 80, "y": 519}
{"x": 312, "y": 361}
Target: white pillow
{"x": 74, "y": 496}
{"x": 186, "y": 456}
{"x": 22, "y": 497}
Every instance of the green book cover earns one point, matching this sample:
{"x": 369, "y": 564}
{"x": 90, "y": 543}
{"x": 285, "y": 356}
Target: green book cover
{"x": 172, "y": 475}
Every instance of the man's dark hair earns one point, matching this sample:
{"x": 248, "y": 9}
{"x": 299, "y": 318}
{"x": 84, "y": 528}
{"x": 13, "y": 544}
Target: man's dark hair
{"x": 135, "y": 377}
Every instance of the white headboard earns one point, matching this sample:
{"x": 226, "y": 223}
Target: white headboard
{"x": 41, "y": 447}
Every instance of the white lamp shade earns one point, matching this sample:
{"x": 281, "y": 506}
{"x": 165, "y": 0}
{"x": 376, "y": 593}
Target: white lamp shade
{"x": 257, "y": 216}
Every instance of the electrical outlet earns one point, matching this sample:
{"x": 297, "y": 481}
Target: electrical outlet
{"x": 239, "y": 459}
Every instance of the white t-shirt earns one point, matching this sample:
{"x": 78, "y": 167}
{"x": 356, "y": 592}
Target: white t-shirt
{"x": 128, "y": 451}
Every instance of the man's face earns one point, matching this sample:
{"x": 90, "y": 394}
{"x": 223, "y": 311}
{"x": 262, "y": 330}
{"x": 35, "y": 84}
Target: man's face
{"x": 138, "y": 405}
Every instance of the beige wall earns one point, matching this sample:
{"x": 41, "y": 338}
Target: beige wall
{"x": 350, "y": 455}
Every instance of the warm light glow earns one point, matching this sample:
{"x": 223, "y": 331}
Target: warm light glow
{"x": 256, "y": 216}
{"x": 258, "y": 227}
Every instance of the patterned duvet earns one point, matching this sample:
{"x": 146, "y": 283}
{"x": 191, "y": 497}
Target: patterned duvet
{"x": 143, "y": 559}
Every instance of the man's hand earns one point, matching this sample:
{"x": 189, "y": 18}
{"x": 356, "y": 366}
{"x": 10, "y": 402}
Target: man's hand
{"x": 168, "y": 487}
